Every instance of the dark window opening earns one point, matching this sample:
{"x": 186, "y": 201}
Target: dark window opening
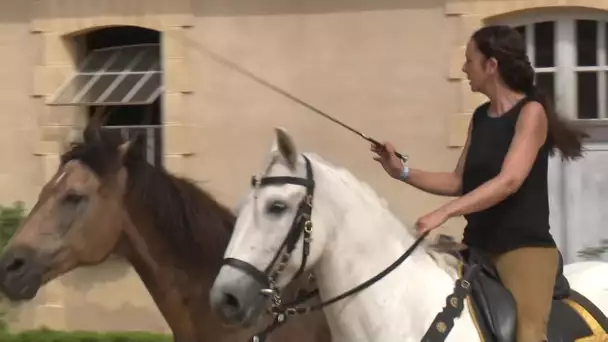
{"x": 136, "y": 118}
{"x": 544, "y": 44}
{"x": 120, "y": 36}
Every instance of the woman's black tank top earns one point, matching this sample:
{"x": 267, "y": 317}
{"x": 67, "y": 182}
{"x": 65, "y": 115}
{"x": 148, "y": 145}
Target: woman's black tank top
{"x": 520, "y": 220}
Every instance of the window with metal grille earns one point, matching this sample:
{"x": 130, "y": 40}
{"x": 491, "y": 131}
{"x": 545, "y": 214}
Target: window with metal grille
{"x": 119, "y": 76}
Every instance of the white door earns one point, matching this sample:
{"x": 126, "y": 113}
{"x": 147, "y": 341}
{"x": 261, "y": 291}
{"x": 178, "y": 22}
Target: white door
{"x": 579, "y": 201}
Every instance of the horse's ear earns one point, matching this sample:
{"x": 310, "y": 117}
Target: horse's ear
{"x": 71, "y": 139}
{"x": 286, "y": 146}
{"x": 93, "y": 128}
{"x": 125, "y": 148}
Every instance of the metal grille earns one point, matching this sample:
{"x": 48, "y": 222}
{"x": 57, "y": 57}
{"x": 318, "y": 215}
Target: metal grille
{"x": 123, "y": 75}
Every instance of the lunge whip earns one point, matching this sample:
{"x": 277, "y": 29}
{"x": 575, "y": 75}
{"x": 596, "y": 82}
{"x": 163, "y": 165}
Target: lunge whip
{"x": 224, "y": 61}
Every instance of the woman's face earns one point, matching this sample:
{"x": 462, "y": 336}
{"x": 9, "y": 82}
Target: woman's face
{"x": 479, "y": 70}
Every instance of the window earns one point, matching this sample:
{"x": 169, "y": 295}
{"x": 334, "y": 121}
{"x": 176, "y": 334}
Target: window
{"x": 568, "y": 53}
{"x": 123, "y": 75}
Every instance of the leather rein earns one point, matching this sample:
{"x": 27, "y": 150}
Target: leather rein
{"x": 300, "y": 228}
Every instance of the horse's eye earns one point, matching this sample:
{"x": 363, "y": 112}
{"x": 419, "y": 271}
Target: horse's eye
{"x": 73, "y": 198}
{"x": 276, "y": 207}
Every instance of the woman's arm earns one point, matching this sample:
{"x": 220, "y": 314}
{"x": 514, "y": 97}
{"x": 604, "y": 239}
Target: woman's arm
{"x": 441, "y": 183}
{"x": 530, "y": 134}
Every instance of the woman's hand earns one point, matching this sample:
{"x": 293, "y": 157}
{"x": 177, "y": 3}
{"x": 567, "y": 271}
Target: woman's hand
{"x": 385, "y": 155}
{"x": 431, "y": 221}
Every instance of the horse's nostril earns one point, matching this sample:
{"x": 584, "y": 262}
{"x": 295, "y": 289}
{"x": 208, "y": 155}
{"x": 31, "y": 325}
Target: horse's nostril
{"x": 232, "y": 302}
{"x": 15, "y": 265}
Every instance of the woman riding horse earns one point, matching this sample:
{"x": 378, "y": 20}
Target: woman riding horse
{"x": 501, "y": 176}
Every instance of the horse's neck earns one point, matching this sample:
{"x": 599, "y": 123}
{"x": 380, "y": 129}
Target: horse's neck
{"x": 365, "y": 239}
{"x": 181, "y": 296}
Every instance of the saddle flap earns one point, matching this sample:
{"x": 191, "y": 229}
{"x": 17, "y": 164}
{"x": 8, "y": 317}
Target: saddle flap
{"x": 497, "y": 307}
{"x": 494, "y": 303}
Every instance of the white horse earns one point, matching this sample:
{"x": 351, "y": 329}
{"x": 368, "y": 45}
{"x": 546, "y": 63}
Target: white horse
{"x": 354, "y": 237}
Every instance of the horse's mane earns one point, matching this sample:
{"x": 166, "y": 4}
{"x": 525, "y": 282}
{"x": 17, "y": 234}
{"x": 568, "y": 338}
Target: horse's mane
{"x": 194, "y": 225}
{"x": 444, "y": 260}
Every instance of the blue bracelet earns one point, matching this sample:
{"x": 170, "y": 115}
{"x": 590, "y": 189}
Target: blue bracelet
{"x": 404, "y": 173}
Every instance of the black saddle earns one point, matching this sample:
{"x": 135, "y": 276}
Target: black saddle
{"x": 573, "y": 317}
{"x": 493, "y": 304}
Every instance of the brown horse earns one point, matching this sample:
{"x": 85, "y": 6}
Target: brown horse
{"x": 106, "y": 199}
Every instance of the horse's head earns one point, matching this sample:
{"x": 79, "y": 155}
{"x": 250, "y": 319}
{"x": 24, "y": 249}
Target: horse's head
{"x": 77, "y": 219}
{"x": 274, "y": 240}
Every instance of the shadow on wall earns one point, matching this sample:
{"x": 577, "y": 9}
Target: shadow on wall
{"x": 109, "y": 297}
{"x": 127, "y": 317}
{"x": 84, "y": 279}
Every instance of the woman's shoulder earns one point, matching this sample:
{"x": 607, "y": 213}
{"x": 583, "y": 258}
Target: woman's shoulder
{"x": 482, "y": 107}
{"x": 480, "y": 112}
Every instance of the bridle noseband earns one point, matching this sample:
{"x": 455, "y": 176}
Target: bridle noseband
{"x": 301, "y": 226}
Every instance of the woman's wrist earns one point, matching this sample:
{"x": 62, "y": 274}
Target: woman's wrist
{"x": 404, "y": 174}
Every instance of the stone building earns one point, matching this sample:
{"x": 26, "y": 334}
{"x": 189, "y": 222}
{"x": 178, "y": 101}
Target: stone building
{"x": 390, "y": 68}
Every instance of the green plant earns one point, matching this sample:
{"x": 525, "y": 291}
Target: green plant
{"x": 47, "y": 335}
{"x": 595, "y": 253}
{"x": 10, "y": 220}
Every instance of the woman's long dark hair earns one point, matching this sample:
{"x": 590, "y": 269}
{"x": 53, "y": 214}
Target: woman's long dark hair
{"x": 508, "y": 47}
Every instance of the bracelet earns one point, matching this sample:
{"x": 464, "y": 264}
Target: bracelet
{"x": 404, "y": 173}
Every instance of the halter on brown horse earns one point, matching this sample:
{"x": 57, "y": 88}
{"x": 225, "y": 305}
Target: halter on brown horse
{"x": 106, "y": 199}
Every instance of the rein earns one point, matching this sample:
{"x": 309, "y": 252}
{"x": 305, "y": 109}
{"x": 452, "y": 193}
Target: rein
{"x": 301, "y": 226}
{"x": 292, "y": 310}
